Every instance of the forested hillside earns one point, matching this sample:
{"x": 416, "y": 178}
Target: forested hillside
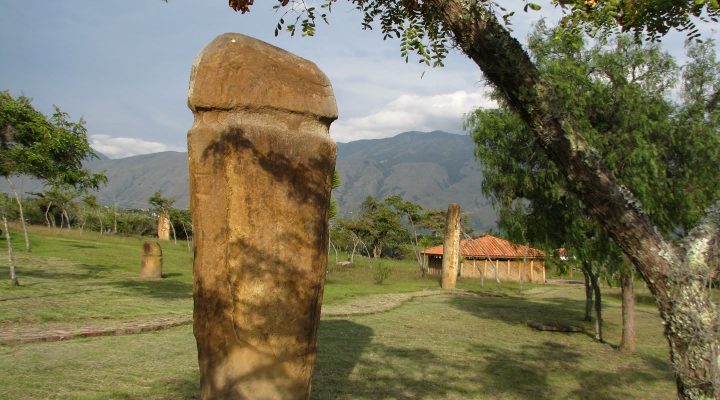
{"x": 431, "y": 169}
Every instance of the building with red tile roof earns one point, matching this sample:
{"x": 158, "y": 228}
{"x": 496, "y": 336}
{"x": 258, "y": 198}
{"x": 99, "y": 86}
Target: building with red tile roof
{"x": 491, "y": 257}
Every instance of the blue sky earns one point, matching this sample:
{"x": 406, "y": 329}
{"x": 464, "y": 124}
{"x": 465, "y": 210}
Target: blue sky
{"x": 124, "y": 65}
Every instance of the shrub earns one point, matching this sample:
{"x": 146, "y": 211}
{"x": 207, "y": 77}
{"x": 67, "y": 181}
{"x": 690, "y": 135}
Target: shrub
{"x": 382, "y": 272}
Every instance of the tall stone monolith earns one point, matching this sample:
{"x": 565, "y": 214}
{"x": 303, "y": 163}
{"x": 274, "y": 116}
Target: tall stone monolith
{"x": 451, "y": 247}
{"x": 151, "y": 261}
{"x": 163, "y": 228}
{"x": 261, "y": 162}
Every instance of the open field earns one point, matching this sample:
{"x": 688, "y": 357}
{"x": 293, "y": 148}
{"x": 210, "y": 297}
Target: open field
{"x": 473, "y": 345}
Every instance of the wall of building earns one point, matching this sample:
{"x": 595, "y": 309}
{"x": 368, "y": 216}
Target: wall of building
{"x": 504, "y": 270}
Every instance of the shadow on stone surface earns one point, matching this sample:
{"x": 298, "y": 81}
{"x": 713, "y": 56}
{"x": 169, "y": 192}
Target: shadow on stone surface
{"x": 261, "y": 205}
{"x": 267, "y": 303}
{"x": 235, "y": 142}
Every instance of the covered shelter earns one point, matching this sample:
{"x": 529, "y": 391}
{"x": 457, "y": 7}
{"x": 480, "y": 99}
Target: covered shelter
{"x": 491, "y": 257}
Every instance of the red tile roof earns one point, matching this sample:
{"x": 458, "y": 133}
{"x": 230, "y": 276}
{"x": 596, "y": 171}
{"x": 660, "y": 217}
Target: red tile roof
{"x": 490, "y": 246}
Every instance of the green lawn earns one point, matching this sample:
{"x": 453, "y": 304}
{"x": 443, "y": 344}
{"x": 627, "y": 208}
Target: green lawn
{"x": 440, "y": 347}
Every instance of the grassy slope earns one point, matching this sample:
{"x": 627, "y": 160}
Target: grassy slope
{"x": 447, "y": 347}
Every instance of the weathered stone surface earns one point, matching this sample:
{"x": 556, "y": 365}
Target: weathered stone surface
{"x": 256, "y": 75}
{"x": 152, "y": 260}
{"x": 163, "y": 227}
{"x": 451, "y": 247}
{"x": 261, "y": 161}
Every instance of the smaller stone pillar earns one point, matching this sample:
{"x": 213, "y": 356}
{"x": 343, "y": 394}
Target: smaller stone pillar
{"x": 451, "y": 247}
{"x": 163, "y": 228}
{"x": 152, "y": 261}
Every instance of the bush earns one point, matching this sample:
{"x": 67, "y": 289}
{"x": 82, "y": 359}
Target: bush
{"x": 381, "y": 272}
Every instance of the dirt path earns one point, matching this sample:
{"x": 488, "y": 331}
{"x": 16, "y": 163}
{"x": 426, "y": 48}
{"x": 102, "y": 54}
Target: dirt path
{"x": 56, "y": 332}
{"x": 364, "y": 305}
{"x": 375, "y": 303}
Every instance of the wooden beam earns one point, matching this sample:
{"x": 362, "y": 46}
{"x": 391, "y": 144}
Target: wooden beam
{"x": 532, "y": 271}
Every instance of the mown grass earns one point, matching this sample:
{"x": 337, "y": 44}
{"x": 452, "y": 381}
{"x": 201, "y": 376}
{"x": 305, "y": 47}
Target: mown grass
{"x": 441, "y": 347}
{"x": 71, "y": 278}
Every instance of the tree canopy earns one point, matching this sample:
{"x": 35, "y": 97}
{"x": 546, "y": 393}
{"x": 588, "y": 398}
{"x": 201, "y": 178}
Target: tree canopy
{"x": 673, "y": 269}
{"x": 51, "y": 149}
{"x": 619, "y": 91}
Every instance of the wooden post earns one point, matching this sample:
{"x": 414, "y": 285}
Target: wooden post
{"x": 543, "y": 272}
{"x": 520, "y": 269}
{"x": 532, "y": 271}
{"x": 507, "y": 274}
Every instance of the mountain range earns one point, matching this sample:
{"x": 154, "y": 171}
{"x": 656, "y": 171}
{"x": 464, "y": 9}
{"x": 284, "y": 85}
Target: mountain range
{"x": 432, "y": 169}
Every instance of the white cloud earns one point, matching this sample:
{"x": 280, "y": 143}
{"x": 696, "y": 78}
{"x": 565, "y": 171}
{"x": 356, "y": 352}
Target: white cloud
{"x": 119, "y": 147}
{"x": 412, "y": 113}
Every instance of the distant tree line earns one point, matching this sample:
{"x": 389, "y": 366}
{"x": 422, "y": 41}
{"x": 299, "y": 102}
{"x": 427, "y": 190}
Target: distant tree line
{"x": 391, "y": 228}
{"x": 68, "y": 210}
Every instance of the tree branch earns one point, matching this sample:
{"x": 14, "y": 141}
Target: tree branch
{"x": 504, "y": 63}
{"x": 702, "y": 244}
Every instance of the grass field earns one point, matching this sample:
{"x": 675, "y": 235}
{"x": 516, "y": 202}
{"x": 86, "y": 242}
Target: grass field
{"x": 441, "y": 347}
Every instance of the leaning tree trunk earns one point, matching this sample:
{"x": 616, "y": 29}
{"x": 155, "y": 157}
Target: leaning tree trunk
{"x": 115, "y": 218}
{"x": 172, "y": 227}
{"x": 47, "y": 211}
{"x": 676, "y": 275}
{"x": 352, "y": 253}
{"x": 377, "y": 251}
{"x": 187, "y": 237}
{"x": 628, "y": 341}
{"x": 67, "y": 218}
{"x": 598, "y": 305}
{"x": 11, "y": 262}
{"x": 588, "y": 295}
{"x": 22, "y": 215}
{"x": 101, "y": 223}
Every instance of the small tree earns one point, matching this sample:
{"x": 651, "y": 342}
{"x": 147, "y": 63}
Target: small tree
{"x": 637, "y": 139}
{"x": 379, "y": 226}
{"x": 675, "y": 271}
{"x": 11, "y": 261}
{"x": 90, "y": 201}
{"x": 50, "y": 149}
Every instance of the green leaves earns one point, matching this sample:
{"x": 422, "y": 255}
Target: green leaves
{"x": 650, "y": 19}
{"x": 162, "y": 203}
{"x": 618, "y": 92}
{"x": 51, "y": 149}
{"x": 532, "y": 6}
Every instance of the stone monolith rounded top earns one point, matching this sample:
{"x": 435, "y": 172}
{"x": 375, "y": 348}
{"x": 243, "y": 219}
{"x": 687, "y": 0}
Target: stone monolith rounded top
{"x": 236, "y": 71}
{"x": 151, "y": 248}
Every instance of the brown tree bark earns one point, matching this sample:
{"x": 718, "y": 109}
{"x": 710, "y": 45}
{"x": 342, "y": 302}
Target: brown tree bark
{"x": 20, "y": 209}
{"x": 588, "y": 296}
{"x": 47, "y": 211}
{"x": 102, "y": 230}
{"x": 628, "y": 341}
{"x": 598, "y": 306}
{"x": 676, "y": 275}
{"x": 11, "y": 261}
